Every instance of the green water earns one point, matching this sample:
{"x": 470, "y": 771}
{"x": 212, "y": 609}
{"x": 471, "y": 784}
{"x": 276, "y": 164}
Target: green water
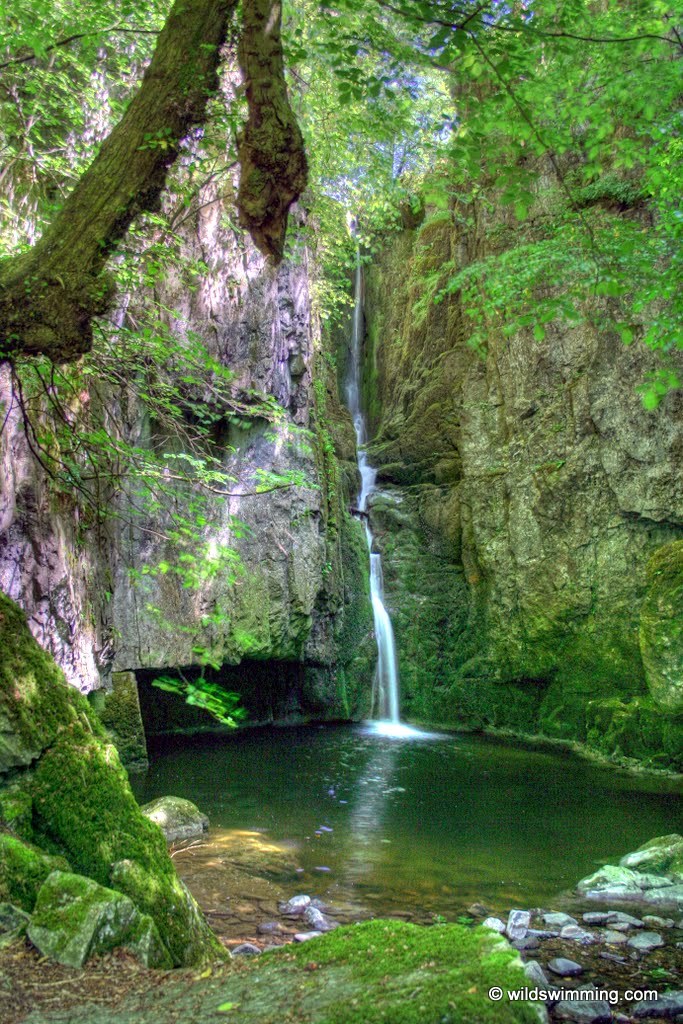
{"x": 423, "y": 826}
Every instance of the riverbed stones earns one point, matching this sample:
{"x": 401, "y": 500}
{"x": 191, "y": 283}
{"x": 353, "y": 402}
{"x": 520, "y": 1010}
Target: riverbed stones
{"x": 536, "y": 974}
{"x": 613, "y": 938}
{"x": 597, "y": 917}
{"x": 518, "y": 924}
{"x": 317, "y": 920}
{"x": 577, "y": 934}
{"x": 75, "y": 918}
{"x": 176, "y": 817}
{"x": 645, "y": 942}
{"x": 565, "y": 968}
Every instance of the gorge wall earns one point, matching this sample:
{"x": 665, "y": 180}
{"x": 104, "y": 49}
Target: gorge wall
{"x": 523, "y": 496}
{"x": 101, "y": 599}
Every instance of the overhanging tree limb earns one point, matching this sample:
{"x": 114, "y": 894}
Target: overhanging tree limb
{"x": 49, "y": 295}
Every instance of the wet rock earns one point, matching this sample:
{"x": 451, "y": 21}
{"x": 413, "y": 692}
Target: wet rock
{"x": 652, "y": 921}
{"x": 577, "y": 934}
{"x": 558, "y": 920}
{"x": 584, "y": 1011}
{"x": 645, "y": 942}
{"x": 621, "y": 884}
{"x": 269, "y": 928}
{"x": 495, "y": 924}
{"x": 245, "y": 949}
{"x": 613, "y": 938}
{"x": 660, "y": 856}
{"x": 317, "y": 920}
{"x": 668, "y": 1006}
{"x": 177, "y": 818}
{"x": 75, "y": 918}
{"x": 305, "y": 936}
{"x": 536, "y": 974}
{"x": 528, "y": 942}
{"x": 518, "y": 924}
{"x": 296, "y": 905}
{"x": 596, "y": 917}
{"x": 565, "y": 968}
{"x": 617, "y": 917}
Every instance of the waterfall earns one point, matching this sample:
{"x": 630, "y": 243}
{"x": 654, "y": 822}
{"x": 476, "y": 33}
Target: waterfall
{"x": 387, "y": 666}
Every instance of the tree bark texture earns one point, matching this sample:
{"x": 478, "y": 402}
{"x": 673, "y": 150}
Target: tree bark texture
{"x": 271, "y": 148}
{"x": 49, "y": 295}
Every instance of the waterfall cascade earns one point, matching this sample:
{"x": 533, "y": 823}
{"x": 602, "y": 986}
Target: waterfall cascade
{"x": 387, "y": 666}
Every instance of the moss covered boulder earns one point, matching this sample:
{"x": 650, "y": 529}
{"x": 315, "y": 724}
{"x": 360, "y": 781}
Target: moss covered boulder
{"x": 75, "y": 918}
{"x": 80, "y": 803}
{"x": 176, "y": 817}
{"x": 660, "y": 856}
{"x": 661, "y": 627}
{"x": 84, "y": 805}
{"x": 23, "y": 869}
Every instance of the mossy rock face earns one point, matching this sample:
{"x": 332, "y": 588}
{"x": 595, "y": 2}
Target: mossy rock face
{"x": 75, "y": 918}
{"x": 637, "y": 729}
{"x": 13, "y": 923}
{"x": 661, "y": 627}
{"x": 660, "y": 856}
{"x": 119, "y": 712}
{"x": 16, "y": 809}
{"x": 35, "y": 699}
{"x": 379, "y": 972}
{"x": 83, "y": 804}
{"x": 23, "y": 869}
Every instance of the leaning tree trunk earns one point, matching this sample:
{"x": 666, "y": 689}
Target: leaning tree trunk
{"x": 271, "y": 149}
{"x": 49, "y": 295}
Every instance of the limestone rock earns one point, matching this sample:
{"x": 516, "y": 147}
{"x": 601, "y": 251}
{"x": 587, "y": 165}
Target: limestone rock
{"x": 75, "y": 918}
{"x": 660, "y": 856}
{"x": 176, "y": 817}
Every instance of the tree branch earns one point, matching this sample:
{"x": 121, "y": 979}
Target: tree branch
{"x": 49, "y": 295}
{"x": 80, "y": 35}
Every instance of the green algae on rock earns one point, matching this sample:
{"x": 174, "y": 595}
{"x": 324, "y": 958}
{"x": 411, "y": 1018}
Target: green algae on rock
{"x": 75, "y": 918}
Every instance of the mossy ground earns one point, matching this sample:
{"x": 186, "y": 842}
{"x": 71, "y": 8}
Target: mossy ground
{"x": 380, "y": 972}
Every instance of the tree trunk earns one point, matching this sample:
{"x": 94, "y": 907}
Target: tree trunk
{"x": 49, "y": 295}
{"x": 271, "y": 149}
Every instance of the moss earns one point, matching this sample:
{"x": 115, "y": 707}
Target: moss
{"x": 661, "y": 627}
{"x": 119, "y": 712}
{"x": 83, "y": 803}
{"x": 35, "y": 699}
{"x": 16, "y": 811}
{"x": 23, "y": 869}
{"x": 637, "y": 728}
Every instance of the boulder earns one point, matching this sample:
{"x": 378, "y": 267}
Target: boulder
{"x": 75, "y": 918}
{"x": 13, "y": 923}
{"x": 620, "y": 884}
{"x": 660, "y": 856}
{"x": 176, "y": 817}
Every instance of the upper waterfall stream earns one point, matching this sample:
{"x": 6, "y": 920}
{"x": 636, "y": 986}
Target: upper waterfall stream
{"x": 387, "y": 664}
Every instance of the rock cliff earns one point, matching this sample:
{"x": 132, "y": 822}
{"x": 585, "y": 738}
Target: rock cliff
{"x": 524, "y": 493}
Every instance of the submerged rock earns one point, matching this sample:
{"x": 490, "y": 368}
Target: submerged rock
{"x": 668, "y": 1006}
{"x": 645, "y": 942}
{"x": 75, "y": 918}
{"x": 584, "y": 1011}
{"x": 176, "y": 817}
{"x": 565, "y": 968}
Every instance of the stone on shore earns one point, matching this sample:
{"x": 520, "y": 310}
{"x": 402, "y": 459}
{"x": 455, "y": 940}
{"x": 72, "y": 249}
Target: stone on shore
{"x": 176, "y": 817}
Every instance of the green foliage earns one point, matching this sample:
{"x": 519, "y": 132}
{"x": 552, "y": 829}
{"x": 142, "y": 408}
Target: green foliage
{"x": 220, "y": 703}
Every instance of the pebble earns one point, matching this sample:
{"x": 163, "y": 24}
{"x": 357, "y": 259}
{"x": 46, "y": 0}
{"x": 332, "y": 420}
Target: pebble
{"x": 245, "y": 949}
{"x": 618, "y": 917}
{"x": 558, "y": 920}
{"x": 565, "y": 968}
{"x": 528, "y": 942}
{"x": 518, "y": 924}
{"x": 305, "y": 936}
{"x": 495, "y": 924}
{"x": 668, "y": 1005}
{"x": 644, "y": 942}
